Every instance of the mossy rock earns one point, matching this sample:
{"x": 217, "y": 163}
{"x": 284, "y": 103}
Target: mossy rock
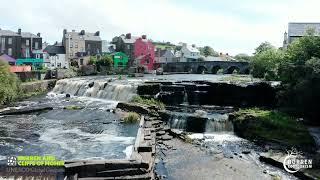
{"x": 73, "y": 107}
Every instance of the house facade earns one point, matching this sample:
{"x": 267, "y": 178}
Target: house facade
{"x": 125, "y": 43}
{"x": 165, "y": 56}
{"x": 55, "y": 57}
{"x": 144, "y": 53}
{"x": 297, "y": 30}
{"x": 19, "y": 45}
{"x": 189, "y": 53}
{"x": 120, "y": 60}
{"x": 81, "y": 42}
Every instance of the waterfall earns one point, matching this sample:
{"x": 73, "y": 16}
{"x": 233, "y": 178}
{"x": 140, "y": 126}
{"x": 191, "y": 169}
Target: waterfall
{"x": 178, "y": 121}
{"x": 120, "y": 90}
{"x": 219, "y": 123}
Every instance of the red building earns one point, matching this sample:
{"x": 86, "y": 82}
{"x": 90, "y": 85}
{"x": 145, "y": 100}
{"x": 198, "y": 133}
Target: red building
{"x": 144, "y": 53}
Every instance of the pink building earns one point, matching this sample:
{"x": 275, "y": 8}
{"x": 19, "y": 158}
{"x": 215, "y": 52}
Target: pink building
{"x": 144, "y": 53}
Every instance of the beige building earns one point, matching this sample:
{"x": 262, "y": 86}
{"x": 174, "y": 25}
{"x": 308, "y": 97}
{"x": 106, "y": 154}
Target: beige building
{"x": 80, "y": 44}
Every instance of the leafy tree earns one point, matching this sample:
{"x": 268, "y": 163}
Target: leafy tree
{"x": 208, "y": 51}
{"x": 266, "y": 63}
{"x": 263, "y": 47}
{"x": 243, "y": 57}
{"x": 9, "y": 88}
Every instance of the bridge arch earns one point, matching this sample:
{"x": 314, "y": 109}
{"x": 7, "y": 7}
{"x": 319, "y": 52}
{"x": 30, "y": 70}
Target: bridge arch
{"x": 231, "y": 69}
{"x": 201, "y": 69}
{"x": 187, "y": 68}
{"x": 246, "y": 71}
{"x": 215, "y": 69}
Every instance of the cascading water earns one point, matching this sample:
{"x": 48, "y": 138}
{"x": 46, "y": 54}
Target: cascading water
{"x": 97, "y": 88}
{"x": 219, "y": 123}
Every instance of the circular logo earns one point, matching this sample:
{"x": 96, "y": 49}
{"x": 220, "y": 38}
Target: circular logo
{"x": 289, "y": 165}
{"x": 12, "y": 161}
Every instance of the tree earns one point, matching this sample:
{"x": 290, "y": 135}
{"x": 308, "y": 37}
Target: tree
{"x": 243, "y": 57}
{"x": 208, "y": 51}
{"x": 266, "y": 63}
{"x": 8, "y": 84}
{"x": 263, "y": 47}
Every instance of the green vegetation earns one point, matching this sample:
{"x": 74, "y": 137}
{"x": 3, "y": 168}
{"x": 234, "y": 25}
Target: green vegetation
{"x": 132, "y": 117}
{"x": 298, "y": 67}
{"x": 266, "y": 125}
{"x": 243, "y": 57}
{"x": 149, "y": 102}
{"x": 208, "y": 51}
{"x": 73, "y": 107}
{"x": 103, "y": 63}
{"x": 9, "y": 84}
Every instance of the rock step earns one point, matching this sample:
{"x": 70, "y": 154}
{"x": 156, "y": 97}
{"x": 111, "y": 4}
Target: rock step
{"x": 135, "y": 177}
{"x": 122, "y": 172}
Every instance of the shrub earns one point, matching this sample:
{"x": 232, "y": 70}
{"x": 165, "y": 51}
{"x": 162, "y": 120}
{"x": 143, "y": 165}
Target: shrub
{"x": 149, "y": 102}
{"x": 132, "y": 117}
{"x": 9, "y": 84}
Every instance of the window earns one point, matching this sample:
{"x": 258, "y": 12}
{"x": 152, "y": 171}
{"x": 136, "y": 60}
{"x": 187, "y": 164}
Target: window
{"x": 76, "y": 45}
{"x": 71, "y": 44}
{"x": 3, "y": 40}
{"x": 37, "y": 56}
{"x": 10, "y": 51}
{"x": 36, "y": 45}
{"x": 128, "y": 46}
{"x": 81, "y": 61}
{"x": 27, "y": 42}
{"x": 9, "y": 40}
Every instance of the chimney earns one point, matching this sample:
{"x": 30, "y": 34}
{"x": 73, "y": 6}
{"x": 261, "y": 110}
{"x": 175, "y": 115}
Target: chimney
{"x": 73, "y": 30}
{"x": 19, "y": 31}
{"x": 221, "y": 54}
{"x": 193, "y": 45}
{"x": 82, "y": 32}
{"x": 227, "y": 54}
{"x": 144, "y": 36}
{"x": 184, "y": 44}
{"x": 38, "y": 34}
{"x": 56, "y": 43}
{"x": 128, "y": 36}
{"x": 97, "y": 33}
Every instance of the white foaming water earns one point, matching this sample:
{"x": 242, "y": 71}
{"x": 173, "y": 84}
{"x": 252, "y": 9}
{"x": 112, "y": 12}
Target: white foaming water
{"x": 216, "y": 137}
{"x": 64, "y": 140}
{"x": 128, "y": 151}
{"x": 120, "y": 90}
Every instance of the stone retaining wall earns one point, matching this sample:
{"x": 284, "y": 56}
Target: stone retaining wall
{"x": 38, "y": 86}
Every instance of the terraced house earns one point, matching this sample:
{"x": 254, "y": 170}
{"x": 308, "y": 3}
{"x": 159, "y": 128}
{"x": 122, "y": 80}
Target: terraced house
{"x": 20, "y": 45}
{"x": 81, "y": 44}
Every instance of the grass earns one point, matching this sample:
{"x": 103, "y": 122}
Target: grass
{"x": 132, "y": 117}
{"x": 273, "y": 126}
{"x": 149, "y": 102}
{"x": 73, "y": 107}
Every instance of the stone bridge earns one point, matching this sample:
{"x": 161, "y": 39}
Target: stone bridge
{"x": 227, "y": 67}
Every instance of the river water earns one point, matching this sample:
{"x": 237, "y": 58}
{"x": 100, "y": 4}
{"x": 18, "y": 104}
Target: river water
{"x": 94, "y": 131}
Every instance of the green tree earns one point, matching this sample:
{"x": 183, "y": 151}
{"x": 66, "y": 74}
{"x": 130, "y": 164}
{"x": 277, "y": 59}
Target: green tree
{"x": 266, "y": 63}
{"x": 9, "y": 88}
{"x": 208, "y": 51}
{"x": 263, "y": 47}
{"x": 243, "y": 57}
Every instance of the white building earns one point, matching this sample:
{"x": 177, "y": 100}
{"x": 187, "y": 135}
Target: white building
{"x": 55, "y": 57}
{"x": 189, "y": 53}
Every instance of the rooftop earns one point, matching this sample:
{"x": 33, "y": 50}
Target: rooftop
{"x": 86, "y": 36}
{"x": 299, "y": 29}
{"x": 53, "y": 49}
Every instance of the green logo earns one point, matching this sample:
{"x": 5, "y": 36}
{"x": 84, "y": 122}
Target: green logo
{"x": 34, "y": 161}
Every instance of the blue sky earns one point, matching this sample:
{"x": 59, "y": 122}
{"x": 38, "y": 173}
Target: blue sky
{"x": 229, "y": 26}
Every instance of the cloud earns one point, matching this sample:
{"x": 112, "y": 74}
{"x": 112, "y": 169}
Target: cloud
{"x": 227, "y": 26}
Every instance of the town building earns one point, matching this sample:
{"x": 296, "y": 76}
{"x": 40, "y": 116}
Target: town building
{"x": 55, "y": 57}
{"x": 125, "y": 43}
{"x": 19, "y": 45}
{"x": 120, "y": 60}
{"x": 297, "y": 30}
{"x": 189, "y": 53}
{"x": 82, "y": 42}
{"x": 144, "y": 53}
{"x": 107, "y": 47}
{"x": 165, "y": 56}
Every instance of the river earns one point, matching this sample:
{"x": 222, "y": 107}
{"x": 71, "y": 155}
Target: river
{"x": 95, "y": 132}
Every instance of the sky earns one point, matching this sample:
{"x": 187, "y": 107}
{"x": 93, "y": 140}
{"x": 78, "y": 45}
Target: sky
{"x": 228, "y": 26}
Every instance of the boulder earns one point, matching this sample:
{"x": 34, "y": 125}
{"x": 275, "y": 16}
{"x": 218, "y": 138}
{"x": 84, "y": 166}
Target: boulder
{"x": 138, "y": 108}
